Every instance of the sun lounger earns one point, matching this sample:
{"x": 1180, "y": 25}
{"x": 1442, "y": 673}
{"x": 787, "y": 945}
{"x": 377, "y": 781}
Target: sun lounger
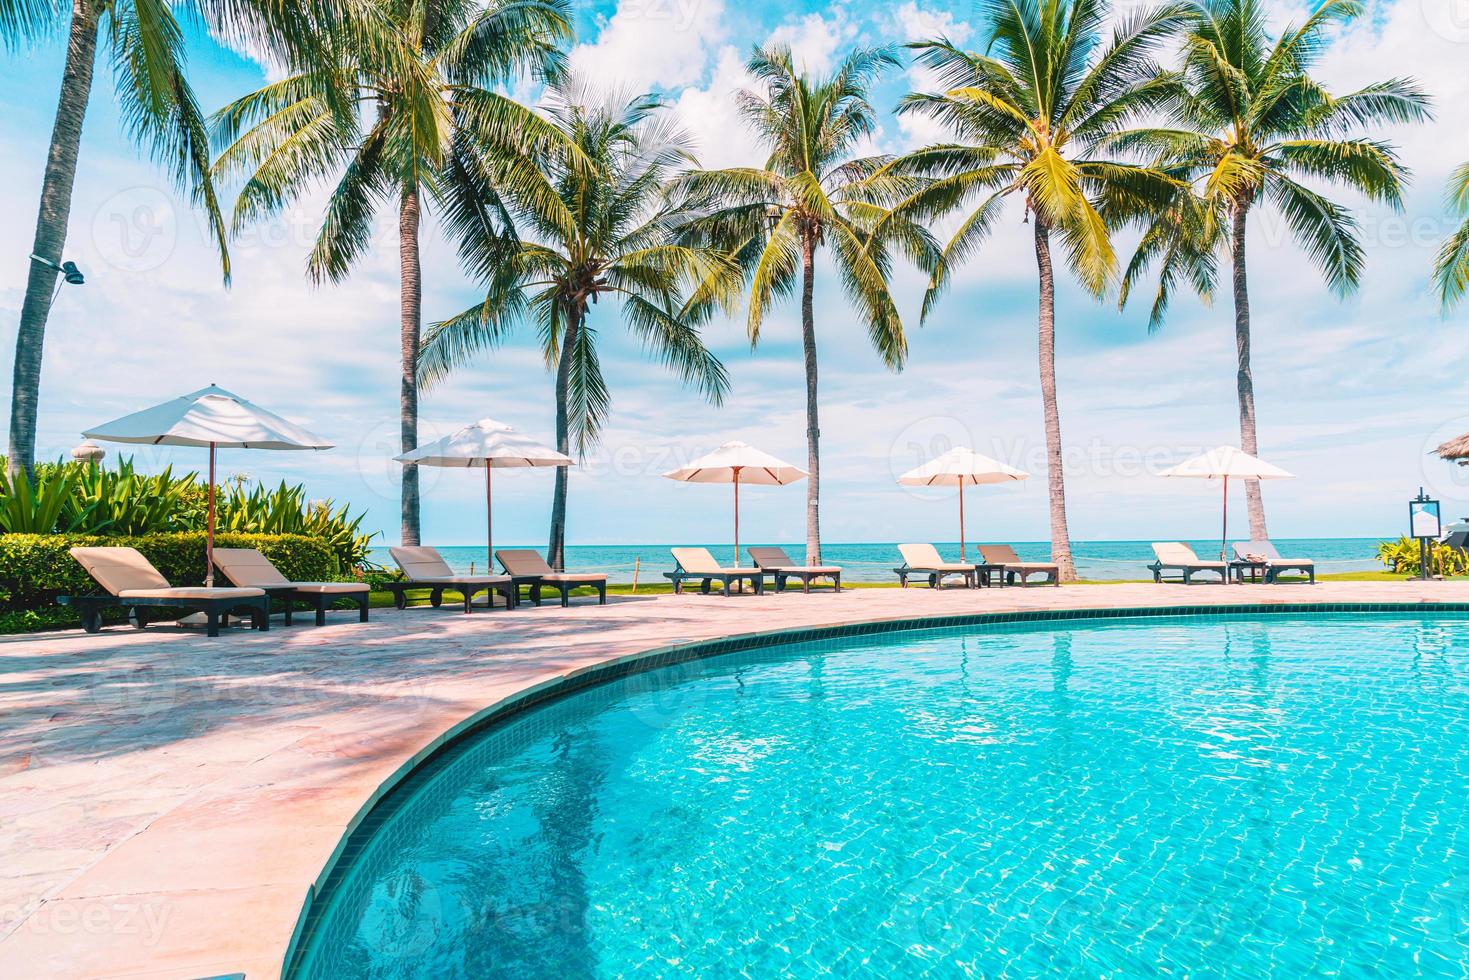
{"x": 697, "y": 563}
{"x": 1005, "y": 556}
{"x": 1173, "y": 556}
{"x": 426, "y": 569}
{"x": 249, "y": 569}
{"x": 774, "y": 561}
{"x": 527, "y": 567}
{"x": 1256, "y": 554}
{"x": 924, "y": 559}
{"x": 132, "y": 582}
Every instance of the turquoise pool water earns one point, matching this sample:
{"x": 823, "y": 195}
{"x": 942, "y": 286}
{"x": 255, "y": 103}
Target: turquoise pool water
{"x": 1244, "y": 797}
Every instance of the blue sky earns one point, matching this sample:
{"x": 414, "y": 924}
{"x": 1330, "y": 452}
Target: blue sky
{"x": 1351, "y": 394}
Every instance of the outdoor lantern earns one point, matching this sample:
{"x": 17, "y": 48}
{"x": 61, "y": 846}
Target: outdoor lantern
{"x": 88, "y": 452}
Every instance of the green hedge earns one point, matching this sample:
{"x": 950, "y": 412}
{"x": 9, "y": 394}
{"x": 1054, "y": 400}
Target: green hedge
{"x": 36, "y": 568}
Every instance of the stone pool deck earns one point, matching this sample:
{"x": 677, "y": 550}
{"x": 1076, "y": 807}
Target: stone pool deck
{"x": 167, "y": 800}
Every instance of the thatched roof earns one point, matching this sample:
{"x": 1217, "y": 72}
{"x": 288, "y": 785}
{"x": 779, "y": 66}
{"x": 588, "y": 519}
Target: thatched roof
{"x": 1455, "y": 449}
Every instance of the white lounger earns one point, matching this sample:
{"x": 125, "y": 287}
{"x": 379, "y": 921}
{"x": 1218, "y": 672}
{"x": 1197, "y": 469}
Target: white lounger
{"x": 926, "y": 560}
{"x": 1174, "y": 556}
{"x": 1263, "y": 552}
{"x": 697, "y": 563}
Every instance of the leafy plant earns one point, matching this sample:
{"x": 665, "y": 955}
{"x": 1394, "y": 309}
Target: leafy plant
{"x": 37, "y": 506}
{"x": 285, "y": 510}
{"x": 122, "y": 501}
{"x": 84, "y": 498}
{"x": 1405, "y": 556}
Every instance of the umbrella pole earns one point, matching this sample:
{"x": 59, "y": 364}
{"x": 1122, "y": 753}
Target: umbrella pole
{"x": 737, "y": 515}
{"x": 489, "y": 524}
{"x": 961, "y": 519}
{"x": 209, "y": 541}
{"x": 1224, "y": 530}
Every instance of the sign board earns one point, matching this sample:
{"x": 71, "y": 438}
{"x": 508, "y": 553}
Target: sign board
{"x": 1423, "y": 517}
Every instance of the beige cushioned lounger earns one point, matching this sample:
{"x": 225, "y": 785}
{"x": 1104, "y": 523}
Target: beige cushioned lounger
{"x": 423, "y": 564}
{"x": 926, "y": 558}
{"x": 526, "y": 561}
{"x": 125, "y": 573}
{"x": 248, "y": 567}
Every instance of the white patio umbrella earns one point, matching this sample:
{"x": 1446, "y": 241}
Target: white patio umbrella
{"x": 209, "y": 417}
{"x": 961, "y": 467}
{"x": 737, "y": 462}
{"x": 1223, "y": 463}
{"x": 492, "y": 445}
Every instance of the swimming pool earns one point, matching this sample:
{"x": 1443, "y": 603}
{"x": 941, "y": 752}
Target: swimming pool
{"x": 1271, "y": 795}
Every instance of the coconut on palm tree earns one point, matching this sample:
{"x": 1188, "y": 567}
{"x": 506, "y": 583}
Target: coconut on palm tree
{"x": 401, "y": 106}
{"x": 1028, "y": 116}
{"x": 597, "y": 224}
{"x": 813, "y": 191}
{"x": 1252, "y": 129}
{"x": 144, "y": 42}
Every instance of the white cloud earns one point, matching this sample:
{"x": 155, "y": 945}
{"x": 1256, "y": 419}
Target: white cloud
{"x": 814, "y": 40}
{"x": 711, "y": 116}
{"x": 645, "y": 44}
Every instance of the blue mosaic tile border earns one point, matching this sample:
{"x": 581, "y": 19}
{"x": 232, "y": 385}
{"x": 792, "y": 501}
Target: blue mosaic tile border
{"x": 395, "y": 792}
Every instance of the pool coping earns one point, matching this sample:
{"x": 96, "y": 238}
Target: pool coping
{"x": 391, "y": 792}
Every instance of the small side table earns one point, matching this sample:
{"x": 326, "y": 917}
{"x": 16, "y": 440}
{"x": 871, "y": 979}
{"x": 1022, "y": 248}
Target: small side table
{"x": 1239, "y": 567}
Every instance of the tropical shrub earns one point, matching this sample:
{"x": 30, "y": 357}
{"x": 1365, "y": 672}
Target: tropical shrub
{"x": 285, "y": 510}
{"x": 1404, "y": 556}
{"x": 84, "y": 498}
{"x": 41, "y": 505}
{"x": 36, "y": 568}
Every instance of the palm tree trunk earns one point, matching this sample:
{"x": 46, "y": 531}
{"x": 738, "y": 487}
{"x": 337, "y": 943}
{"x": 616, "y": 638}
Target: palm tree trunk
{"x": 1055, "y": 477}
{"x": 55, "y": 211}
{"x": 556, "y": 549}
{"x": 813, "y": 421}
{"x": 410, "y": 313}
{"x": 1245, "y": 379}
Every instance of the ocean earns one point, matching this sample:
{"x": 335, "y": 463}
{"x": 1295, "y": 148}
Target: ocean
{"x": 1102, "y": 560}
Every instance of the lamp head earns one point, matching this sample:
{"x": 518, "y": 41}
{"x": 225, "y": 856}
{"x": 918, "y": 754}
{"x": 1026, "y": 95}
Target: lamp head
{"x": 68, "y": 270}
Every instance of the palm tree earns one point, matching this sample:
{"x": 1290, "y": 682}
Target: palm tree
{"x": 1451, "y": 268}
{"x": 598, "y": 222}
{"x": 401, "y": 105}
{"x": 1250, "y": 124}
{"x": 812, "y": 191}
{"x": 146, "y": 49}
{"x": 1028, "y": 116}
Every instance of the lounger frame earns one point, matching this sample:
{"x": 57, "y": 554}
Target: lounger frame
{"x": 981, "y": 576}
{"x": 706, "y": 579}
{"x": 535, "y": 583}
{"x": 438, "y": 587}
{"x": 320, "y": 602}
{"x": 1011, "y": 567}
{"x": 786, "y": 570}
{"x": 90, "y": 607}
{"x": 1186, "y": 573}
